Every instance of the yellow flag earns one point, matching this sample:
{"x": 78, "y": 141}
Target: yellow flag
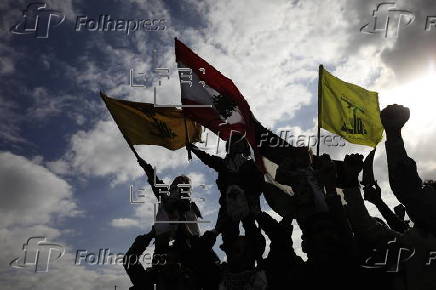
{"x": 144, "y": 124}
{"x": 349, "y": 111}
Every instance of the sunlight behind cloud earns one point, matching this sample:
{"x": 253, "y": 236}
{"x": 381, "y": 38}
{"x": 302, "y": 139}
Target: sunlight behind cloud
{"x": 419, "y": 96}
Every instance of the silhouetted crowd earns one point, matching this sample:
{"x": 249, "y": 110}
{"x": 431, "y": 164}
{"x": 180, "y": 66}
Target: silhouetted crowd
{"x": 346, "y": 247}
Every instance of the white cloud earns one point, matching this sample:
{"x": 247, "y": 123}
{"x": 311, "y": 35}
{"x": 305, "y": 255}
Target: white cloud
{"x": 124, "y": 223}
{"x": 144, "y": 213}
{"x": 268, "y": 56}
{"x": 102, "y": 151}
{"x": 10, "y": 131}
{"x": 58, "y": 166}
{"x": 64, "y": 274}
{"x": 32, "y": 198}
{"x": 31, "y": 194}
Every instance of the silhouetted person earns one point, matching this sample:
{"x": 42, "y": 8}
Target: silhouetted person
{"x": 407, "y": 186}
{"x": 169, "y": 271}
{"x": 282, "y": 265}
{"x": 240, "y": 270}
{"x": 174, "y": 274}
{"x": 346, "y": 248}
{"x": 407, "y": 268}
{"x": 239, "y": 182}
{"x": 327, "y": 239}
{"x": 142, "y": 279}
{"x": 203, "y": 261}
{"x": 174, "y": 205}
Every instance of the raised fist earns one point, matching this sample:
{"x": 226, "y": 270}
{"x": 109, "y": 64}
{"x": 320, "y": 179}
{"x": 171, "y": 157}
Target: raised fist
{"x": 353, "y": 164}
{"x": 327, "y": 171}
{"x": 372, "y": 194}
{"x": 394, "y": 117}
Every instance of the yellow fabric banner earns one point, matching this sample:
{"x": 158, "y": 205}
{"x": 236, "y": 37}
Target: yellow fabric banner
{"x": 349, "y": 111}
{"x": 144, "y": 124}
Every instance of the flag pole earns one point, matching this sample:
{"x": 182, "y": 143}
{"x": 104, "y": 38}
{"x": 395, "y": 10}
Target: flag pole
{"x": 321, "y": 68}
{"x": 187, "y": 138}
{"x": 131, "y": 146}
{"x": 184, "y": 119}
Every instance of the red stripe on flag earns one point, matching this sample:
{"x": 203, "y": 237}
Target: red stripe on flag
{"x": 223, "y": 85}
{"x": 211, "y": 119}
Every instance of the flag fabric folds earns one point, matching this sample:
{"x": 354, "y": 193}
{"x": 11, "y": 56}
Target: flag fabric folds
{"x": 349, "y": 111}
{"x": 144, "y": 124}
{"x": 272, "y": 155}
{"x": 215, "y": 102}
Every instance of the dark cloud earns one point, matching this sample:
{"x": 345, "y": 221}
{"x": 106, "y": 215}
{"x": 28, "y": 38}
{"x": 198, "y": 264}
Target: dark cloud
{"x": 410, "y": 53}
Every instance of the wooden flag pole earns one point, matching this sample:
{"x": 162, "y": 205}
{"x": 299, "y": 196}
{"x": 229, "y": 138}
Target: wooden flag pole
{"x": 321, "y": 68}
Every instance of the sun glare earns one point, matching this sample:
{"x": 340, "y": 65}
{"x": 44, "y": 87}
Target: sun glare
{"x": 419, "y": 96}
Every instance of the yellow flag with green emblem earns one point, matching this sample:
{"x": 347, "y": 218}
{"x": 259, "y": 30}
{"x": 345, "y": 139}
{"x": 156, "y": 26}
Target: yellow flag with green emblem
{"x": 349, "y": 110}
{"x": 144, "y": 124}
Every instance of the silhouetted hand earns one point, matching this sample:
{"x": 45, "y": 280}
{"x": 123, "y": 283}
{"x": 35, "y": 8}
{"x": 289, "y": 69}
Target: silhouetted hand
{"x": 327, "y": 172}
{"x": 353, "y": 164}
{"x": 400, "y": 211}
{"x": 372, "y": 194}
{"x": 393, "y": 117}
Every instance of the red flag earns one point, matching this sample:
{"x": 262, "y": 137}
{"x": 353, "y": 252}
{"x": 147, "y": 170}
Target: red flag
{"x": 228, "y": 111}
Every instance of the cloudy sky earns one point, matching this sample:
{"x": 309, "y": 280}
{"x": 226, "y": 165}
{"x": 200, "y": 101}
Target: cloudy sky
{"x": 65, "y": 169}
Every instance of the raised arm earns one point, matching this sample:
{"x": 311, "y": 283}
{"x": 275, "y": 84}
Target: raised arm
{"x": 149, "y": 171}
{"x": 404, "y": 180}
{"x": 211, "y": 161}
{"x": 403, "y": 176}
{"x": 361, "y": 221}
{"x": 327, "y": 176}
{"x": 373, "y": 195}
{"x": 279, "y": 201}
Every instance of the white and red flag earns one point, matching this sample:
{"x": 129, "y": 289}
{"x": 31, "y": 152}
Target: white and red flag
{"x": 214, "y": 100}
